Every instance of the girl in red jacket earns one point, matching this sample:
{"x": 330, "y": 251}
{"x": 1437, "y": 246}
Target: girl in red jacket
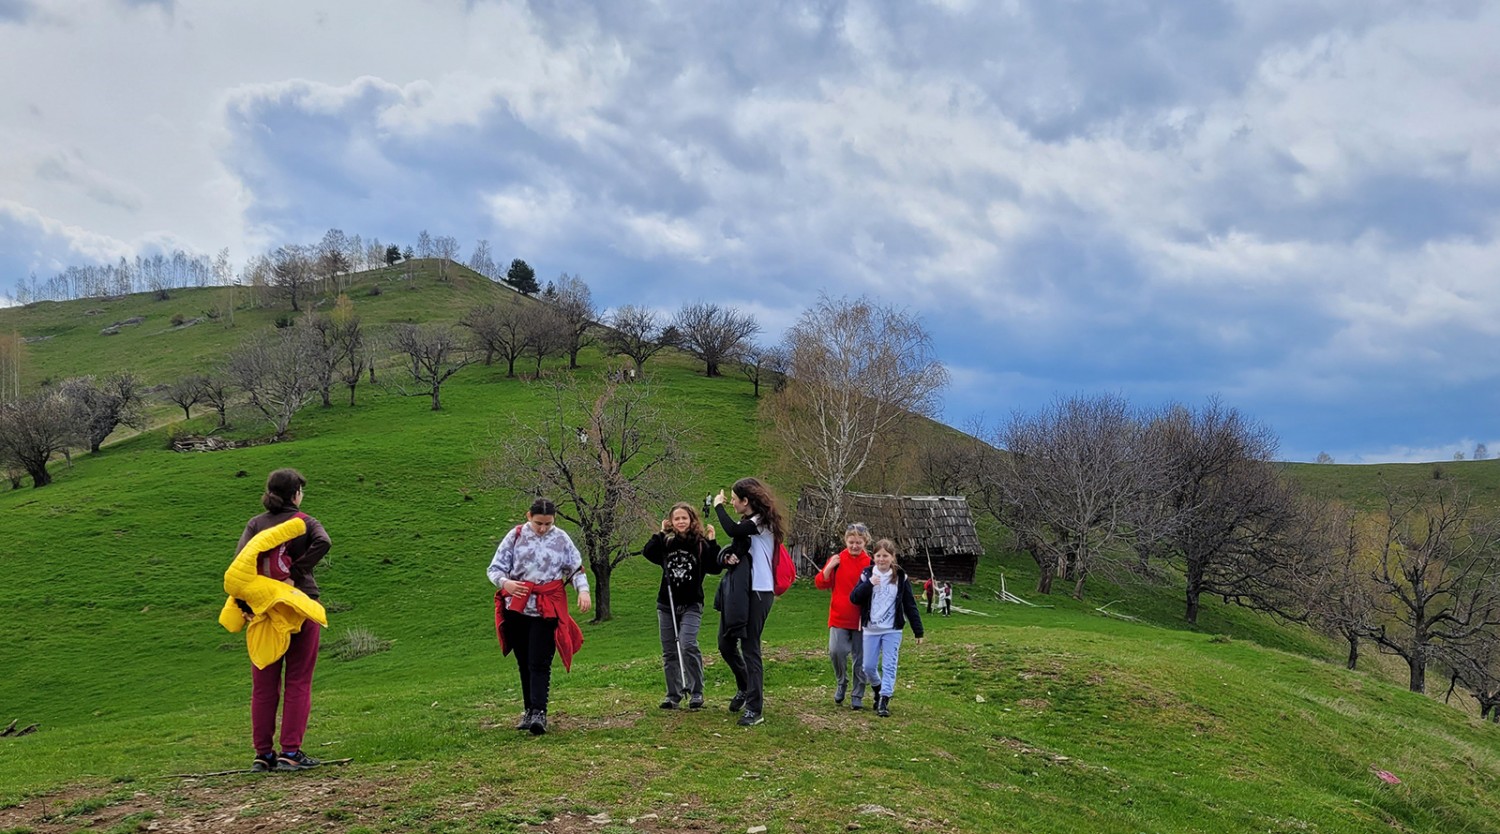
{"x": 845, "y": 642}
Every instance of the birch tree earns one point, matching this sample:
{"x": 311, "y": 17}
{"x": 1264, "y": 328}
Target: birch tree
{"x": 856, "y": 368}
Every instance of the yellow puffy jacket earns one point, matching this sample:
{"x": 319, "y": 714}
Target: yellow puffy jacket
{"x": 280, "y": 609}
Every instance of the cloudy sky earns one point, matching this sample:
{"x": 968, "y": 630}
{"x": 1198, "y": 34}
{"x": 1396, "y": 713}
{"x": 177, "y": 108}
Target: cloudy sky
{"x": 1291, "y": 204}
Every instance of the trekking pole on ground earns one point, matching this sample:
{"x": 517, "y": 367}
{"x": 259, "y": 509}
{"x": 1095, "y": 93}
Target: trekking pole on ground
{"x": 677, "y": 638}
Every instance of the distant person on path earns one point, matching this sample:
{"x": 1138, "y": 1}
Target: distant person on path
{"x": 686, "y": 551}
{"x": 886, "y": 604}
{"x": 530, "y": 567}
{"x": 947, "y": 598}
{"x": 747, "y": 590}
{"x": 927, "y": 593}
{"x": 845, "y": 640}
{"x": 287, "y": 682}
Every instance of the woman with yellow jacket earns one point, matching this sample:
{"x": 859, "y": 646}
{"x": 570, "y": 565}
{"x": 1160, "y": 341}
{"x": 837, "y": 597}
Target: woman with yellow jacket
{"x": 287, "y": 680}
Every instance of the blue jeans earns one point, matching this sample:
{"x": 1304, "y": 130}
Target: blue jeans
{"x": 886, "y": 648}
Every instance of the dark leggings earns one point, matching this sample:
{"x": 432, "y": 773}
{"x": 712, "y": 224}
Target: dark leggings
{"x": 534, "y": 642}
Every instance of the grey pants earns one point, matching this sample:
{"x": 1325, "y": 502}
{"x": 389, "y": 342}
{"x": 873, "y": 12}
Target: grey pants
{"x": 689, "y": 618}
{"x": 845, "y": 644}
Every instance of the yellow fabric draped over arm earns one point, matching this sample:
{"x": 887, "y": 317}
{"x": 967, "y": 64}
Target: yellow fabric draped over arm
{"x": 280, "y": 609}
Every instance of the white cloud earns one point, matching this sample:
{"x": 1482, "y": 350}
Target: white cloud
{"x": 1272, "y": 199}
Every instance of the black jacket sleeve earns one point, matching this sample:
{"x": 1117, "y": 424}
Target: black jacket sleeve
{"x": 743, "y": 527}
{"x": 708, "y": 557}
{"x": 656, "y": 548}
{"x": 861, "y": 594}
{"x": 909, "y": 604}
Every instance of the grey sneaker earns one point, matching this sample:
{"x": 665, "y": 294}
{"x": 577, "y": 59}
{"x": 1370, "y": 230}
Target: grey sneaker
{"x": 263, "y": 762}
{"x": 749, "y": 718}
{"x": 737, "y": 703}
{"x": 296, "y": 760}
{"x": 539, "y": 722}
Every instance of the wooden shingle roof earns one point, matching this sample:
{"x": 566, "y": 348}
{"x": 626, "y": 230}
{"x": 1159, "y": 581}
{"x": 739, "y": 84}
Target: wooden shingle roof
{"x": 933, "y": 525}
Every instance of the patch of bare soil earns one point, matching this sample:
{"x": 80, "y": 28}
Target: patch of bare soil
{"x": 312, "y": 801}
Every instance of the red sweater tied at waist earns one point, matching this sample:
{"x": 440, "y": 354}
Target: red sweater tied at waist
{"x": 551, "y": 604}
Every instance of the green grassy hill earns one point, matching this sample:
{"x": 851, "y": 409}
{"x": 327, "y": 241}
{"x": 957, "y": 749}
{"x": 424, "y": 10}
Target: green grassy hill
{"x": 1008, "y": 718}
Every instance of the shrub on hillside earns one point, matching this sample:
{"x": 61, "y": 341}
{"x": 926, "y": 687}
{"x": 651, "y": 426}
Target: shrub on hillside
{"x": 356, "y": 643}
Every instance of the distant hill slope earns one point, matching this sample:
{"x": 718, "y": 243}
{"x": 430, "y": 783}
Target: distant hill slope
{"x": 64, "y": 338}
{"x": 1363, "y": 486}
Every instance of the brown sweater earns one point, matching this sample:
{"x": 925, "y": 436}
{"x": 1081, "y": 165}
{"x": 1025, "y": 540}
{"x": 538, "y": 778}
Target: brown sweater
{"x": 305, "y": 551}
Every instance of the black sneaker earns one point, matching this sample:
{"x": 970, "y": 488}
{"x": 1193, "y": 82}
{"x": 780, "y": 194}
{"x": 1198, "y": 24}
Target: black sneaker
{"x": 749, "y": 718}
{"x": 667, "y": 703}
{"x": 696, "y": 702}
{"x": 296, "y": 760}
{"x": 526, "y": 718}
{"x": 539, "y": 722}
{"x": 263, "y": 762}
{"x": 856, "y": 704}
{"x": 737, "y": 703}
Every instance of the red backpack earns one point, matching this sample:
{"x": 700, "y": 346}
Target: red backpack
{"x": 784, "y": 572}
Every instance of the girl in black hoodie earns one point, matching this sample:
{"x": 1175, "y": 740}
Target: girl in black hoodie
{"x": 686, "y": 552}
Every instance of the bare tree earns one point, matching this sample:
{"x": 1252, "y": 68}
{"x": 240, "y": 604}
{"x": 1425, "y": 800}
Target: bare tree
{"x": 103, "y": 406}
{"x": 217, "y": 390}
{"x": 323, "y": 352}
{"x": 856, "y": 369}
{"x": 12, "y": 359}
{"x": 500, "y": 330}
{"x": 330, "y": 258}
{"x": 712, "y": 333}
{"x": 1226, "y": 510}
{"x": 445, "y": 248}
{"x": 546, "y": 335}
{"x": 574, "y": 302}
{"x": 1070, "y": 480}
{"x": 348, "y": 343}
{"x": 635, "y": 332}
{"x": 1475, "y": 662}
{"x": 1439, "y": 571}
{"x": 278, "y": 373}
{"x": 609, "y": 456}
{"x": 1339, "y": 592}
{"x": 482, "y": 260}
{"x": 32, "y": 430}
{"x": 1481, "y": 452}
{"x": 1324, "y": 457}
{"x": 292, "y": 273}
{"x": 424, "y": 244}
{"x": 433, "y": 354}
{"x": 763, "y": 364}
{"x": 186, "y": 393}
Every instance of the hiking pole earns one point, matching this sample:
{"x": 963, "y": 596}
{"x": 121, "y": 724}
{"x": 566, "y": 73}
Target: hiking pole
{"x": 677, "y": 639}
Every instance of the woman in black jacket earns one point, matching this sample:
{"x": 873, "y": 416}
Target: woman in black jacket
{"x": 746, "y": 591}
{"x": 686, "y": 552}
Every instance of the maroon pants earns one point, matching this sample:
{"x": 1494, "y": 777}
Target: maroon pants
{"x": 266, "y": 687}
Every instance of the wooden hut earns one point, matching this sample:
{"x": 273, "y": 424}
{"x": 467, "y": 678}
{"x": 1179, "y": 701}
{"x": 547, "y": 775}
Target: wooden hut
{"x": 934, "y": 533}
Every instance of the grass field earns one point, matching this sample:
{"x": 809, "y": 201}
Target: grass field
{"x": 1007, "y": 718}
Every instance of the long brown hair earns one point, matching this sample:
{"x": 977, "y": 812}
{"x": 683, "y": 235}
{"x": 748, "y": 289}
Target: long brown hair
{"x": 695, "y": 524}
{"x": 762, "y": 503}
